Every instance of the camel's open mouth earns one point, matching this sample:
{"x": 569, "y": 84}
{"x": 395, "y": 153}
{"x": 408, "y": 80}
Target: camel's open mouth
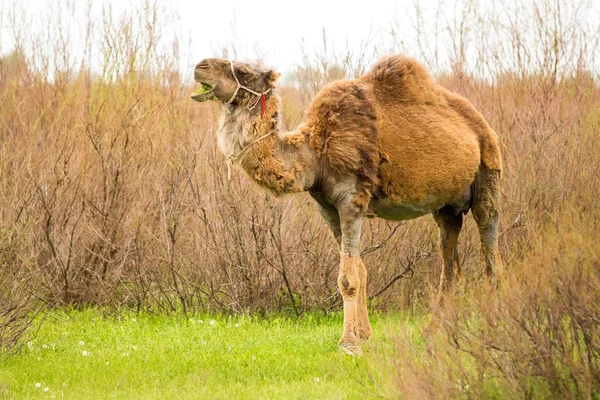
{"x": 204, "y": 93}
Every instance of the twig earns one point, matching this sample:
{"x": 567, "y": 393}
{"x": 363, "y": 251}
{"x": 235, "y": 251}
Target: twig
{"x": 379, "y": 245}
{"x": 408, "y": 273}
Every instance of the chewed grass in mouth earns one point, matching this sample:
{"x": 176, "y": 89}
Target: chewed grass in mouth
{"x": 204, "y": 88}
{"x": 204, "y": 92}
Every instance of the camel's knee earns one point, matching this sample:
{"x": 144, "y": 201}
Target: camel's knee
{"x": 487, "y": 198}
{"x": 487, "y": 221}
{"x": 349, "y": 278}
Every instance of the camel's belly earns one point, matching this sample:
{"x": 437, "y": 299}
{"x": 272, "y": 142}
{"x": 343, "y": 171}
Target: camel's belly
{"x": 387, "y": 208}
{"x": 396, "y": 212}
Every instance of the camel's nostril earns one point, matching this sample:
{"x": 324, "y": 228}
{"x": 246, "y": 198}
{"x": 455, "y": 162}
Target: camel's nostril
{"x": 202, "y": 65}
{"x": 200, "y": 69}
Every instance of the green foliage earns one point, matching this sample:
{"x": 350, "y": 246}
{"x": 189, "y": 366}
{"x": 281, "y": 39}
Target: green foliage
{"x": 204, "y": 87}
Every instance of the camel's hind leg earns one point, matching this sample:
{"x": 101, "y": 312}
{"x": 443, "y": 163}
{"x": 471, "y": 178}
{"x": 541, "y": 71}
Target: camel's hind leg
{"x": 485, "y": 211}
{"x": 450, "y": 225}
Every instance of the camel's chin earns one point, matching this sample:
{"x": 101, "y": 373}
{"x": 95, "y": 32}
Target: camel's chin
{"x": 202, "y": 97}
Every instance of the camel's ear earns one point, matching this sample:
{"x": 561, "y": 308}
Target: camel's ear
{"x": 271, "y": 77}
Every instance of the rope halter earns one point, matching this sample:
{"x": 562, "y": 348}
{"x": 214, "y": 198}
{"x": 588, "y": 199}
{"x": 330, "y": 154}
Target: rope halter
{"x": 234, "y": 157}
{"x": 259, "y": 96}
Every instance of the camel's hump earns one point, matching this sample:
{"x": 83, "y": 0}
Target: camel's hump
{"x": 401, "y": 79}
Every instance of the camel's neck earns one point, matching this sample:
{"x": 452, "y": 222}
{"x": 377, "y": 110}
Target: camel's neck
{"x": 280, "y": 162}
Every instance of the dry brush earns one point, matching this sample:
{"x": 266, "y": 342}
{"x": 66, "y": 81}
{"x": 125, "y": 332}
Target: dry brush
{"x": 112, "y": 192}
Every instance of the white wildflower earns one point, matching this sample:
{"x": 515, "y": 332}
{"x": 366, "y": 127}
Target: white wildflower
{"x": 44, "y": 346}
{"x": 46, "y": 389}
{"x": 85, "y": 353}
{"x": 212, "y": 322}
{"x": 237, "y": 325}
{"x": 316, "y": 379}
{"x": 38, "y": 385}
{"x": 81, "y": 343}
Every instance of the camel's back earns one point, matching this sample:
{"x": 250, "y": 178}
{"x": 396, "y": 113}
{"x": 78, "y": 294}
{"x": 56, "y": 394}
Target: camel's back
{"x": 431, "y": 141}
{"x": 404, "y": 136}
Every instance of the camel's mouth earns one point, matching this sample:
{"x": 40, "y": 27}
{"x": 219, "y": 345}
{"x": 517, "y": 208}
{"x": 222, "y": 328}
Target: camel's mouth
{"x": 204, "y": 93}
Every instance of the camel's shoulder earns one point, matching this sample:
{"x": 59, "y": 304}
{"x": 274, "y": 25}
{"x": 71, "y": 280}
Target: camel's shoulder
{"x": 342, "y": 105}
{"x": 342, "y": 126}
{"x": 343, "y": 93}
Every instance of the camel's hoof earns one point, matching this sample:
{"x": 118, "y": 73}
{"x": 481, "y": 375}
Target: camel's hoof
{"x": 351, "y": 349}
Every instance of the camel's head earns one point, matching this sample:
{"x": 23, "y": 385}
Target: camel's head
{"x": 217, "y": 80}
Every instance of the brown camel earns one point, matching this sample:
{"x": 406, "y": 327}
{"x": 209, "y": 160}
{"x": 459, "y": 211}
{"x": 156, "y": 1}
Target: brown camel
{"x": 392, "y": 144}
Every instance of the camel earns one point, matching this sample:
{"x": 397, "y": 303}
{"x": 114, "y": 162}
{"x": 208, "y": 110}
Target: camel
{"x": 391, "y": 144}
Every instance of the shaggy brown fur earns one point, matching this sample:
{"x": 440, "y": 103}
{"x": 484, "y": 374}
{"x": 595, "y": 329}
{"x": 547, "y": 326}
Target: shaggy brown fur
{"x": 432, "y": 140}
{"x": 391, "y": 143}
{"x": 260, "y": 161}
{"x": 342, "y": 126}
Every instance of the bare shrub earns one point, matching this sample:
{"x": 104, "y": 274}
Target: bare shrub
{"x": 118, "y": 174}
{"x": 111, "y": 178}
{"x": 536, "y": 336}
{"x": 17, "y": 303}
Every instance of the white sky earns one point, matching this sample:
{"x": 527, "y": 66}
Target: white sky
{"x": 278, "y": 28}
{"x": 275, "y": 31}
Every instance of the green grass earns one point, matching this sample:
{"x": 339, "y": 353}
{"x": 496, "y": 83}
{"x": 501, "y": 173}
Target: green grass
{"x": 81, "y": 354}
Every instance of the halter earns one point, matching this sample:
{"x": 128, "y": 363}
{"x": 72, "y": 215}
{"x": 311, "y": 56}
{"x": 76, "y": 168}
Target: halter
{"x": 259, "y": 96}
{"x": 234, "y": 157}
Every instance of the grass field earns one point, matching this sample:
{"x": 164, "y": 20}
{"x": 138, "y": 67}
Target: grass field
{"x": 89, "y": 355}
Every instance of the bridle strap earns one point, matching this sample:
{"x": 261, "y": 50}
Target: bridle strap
{"x": 234, "y": 157}
{"x": 240, "y": 86}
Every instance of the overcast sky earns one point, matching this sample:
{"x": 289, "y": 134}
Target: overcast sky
{"x": 278, "y": 29}
{"x": 274, "y": 30}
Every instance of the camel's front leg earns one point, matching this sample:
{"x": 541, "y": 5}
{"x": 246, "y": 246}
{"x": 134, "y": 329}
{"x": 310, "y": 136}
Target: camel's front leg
{"x": 332, "y": 217}
{"x": 349, "y": 278}
{"x": 364, "y": 326}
